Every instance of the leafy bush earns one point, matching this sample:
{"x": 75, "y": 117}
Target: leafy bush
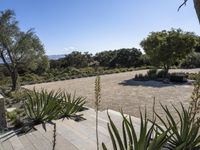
{"x": 192, "y": 76}
{"x": 191, "y": 61}
{"x": 12, "y": 115}
{"x": 178, "y": 77}
{"x": 161, "y": 74}
{"x": 152, "y": 74}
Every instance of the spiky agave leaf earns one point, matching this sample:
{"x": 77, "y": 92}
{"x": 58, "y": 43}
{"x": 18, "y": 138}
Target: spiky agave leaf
{"x": 42, "y": 106}
{"x": 130, "y": 140}
{"x": 184, "y": 133}
{"x": 71, "y": 104}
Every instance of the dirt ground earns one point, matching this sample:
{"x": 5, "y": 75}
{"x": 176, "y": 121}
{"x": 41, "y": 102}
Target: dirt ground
{"x": 119, "y": 91}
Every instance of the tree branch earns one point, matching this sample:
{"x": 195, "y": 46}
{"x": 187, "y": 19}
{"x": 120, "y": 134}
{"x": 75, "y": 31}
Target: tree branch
{"x": 5, "y": 62}
{"x": 184, "y": 3}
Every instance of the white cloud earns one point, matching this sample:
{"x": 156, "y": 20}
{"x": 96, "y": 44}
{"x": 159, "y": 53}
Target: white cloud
{"x": 69, "y": 49}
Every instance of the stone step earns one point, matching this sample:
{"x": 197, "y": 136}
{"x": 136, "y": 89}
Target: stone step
{"x": 61, "y": 143}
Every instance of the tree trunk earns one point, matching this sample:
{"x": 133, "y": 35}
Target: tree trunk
{"x": 14, "y": 77}
{"x": 197, "y": 8}
{"x": 166, "y": 70}
{"x": 3, "y": 123}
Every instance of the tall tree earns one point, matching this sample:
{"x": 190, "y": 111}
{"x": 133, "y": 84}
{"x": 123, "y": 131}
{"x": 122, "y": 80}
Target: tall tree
{"x": 167, "y": 47}
{"x": 18, "y": 48}
{"x": 196, "y": 6}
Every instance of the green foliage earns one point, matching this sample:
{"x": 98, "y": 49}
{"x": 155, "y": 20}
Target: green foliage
{"x": 168, "y": 47}
{"x": 18, "y": 49}
{"x": 178, "y": 77}
{"x": 119, "y": 58}
{"x": 12, "y": 115}
{"x": 74, "y": 59}
{"x": 147, "y": 139}
{"x": 184, "y": 133}
{"x": 71, "y": 104}
{"x": 152, "y": 73}
{"x": 18, "y": 95}
{"x": 44, "y": 106}
{"x": 191, "y": 61}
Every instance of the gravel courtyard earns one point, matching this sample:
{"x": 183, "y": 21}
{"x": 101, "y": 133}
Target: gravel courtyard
{"x": 119, "y": 91}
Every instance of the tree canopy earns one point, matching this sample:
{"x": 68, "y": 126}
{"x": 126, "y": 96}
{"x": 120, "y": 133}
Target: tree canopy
{"x": 18, "y": 48}
{"x": 167, "y": 47}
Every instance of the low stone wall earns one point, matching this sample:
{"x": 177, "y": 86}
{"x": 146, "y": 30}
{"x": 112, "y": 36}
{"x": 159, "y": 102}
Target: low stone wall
{"x": 3, "y": 123}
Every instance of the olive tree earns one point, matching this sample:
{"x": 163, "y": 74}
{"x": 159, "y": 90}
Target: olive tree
{"x": 167, "y": 47}
{"x": 18, "y": 48}
{"x": 196, "y": 6}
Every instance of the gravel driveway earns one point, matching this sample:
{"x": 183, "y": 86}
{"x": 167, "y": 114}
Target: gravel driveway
{"x": 119, "y": 91}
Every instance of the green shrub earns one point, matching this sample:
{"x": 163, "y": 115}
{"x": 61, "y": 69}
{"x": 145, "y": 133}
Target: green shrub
{"x": 46, "y": 106}
{"x": 161, "y": 74}
{"x": 191, "y": 61}
{"x": 147, "y": 140}
{"x": 152, "y": 74}
{"x": 71, "y": 104}
{"x": 192, "y": 76}
{"x": 178, "y": 77}
{"x": 184, "y": 133}
{"x": 18, "y": 95}
{"x": 12, "y": 115}
{"x": 42, "y": 107}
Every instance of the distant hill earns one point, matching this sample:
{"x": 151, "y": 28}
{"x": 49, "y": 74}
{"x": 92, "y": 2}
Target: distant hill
{"x": 55, "y": 57}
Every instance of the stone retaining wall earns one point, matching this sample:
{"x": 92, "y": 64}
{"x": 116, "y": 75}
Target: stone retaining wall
{"x": 3, "y": 123}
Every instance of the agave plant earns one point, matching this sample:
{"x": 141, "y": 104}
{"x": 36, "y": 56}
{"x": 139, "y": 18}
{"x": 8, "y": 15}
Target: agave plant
{"x": 42, "y": 106}
{"x": 184, "y": 134}
{"x": 71, "y": 104}
{"x": 129, "y": 140}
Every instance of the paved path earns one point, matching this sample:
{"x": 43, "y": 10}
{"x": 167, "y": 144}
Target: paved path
{"x": 119, "y": 91}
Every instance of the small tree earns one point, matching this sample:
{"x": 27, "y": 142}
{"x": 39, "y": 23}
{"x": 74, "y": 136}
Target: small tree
{"x": 167, "y": 47}
{"x": 18, "y": 48}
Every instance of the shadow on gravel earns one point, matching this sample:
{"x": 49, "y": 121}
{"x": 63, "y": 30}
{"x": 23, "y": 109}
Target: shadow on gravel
{"x": 152, "y": 83}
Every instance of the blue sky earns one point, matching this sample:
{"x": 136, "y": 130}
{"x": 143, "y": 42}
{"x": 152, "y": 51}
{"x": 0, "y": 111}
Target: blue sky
{"x": 97, "y": 25}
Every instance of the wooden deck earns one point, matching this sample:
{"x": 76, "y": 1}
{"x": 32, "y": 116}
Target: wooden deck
{"x": 70, "y": 135}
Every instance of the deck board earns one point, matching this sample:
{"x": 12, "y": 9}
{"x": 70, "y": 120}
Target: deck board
{"x": 70, "y": 134}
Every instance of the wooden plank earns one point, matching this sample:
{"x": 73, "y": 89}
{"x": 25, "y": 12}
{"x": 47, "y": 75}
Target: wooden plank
{"x": 1, "y": 147}
{"x": 87, "y": 131}
{"x": 61, "y": 143}
{"x": 16, "y": 144}
{"x": 77, "y": 139}
{"x": 7, "y": 145}
{"x": 38, "y": 143}
{"x": 26, "y": 143}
